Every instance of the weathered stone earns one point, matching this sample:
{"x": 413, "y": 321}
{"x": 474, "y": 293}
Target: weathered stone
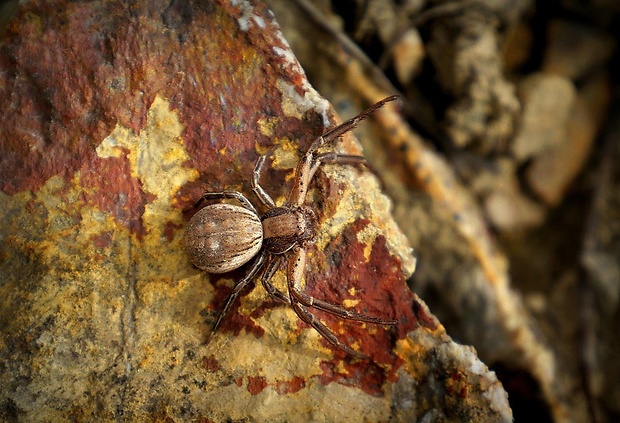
{"x": 551, "y": 173}
{"x": 547, "y": 101}
{"x": 118, "y": 116}
{"x": 574, "y": 49}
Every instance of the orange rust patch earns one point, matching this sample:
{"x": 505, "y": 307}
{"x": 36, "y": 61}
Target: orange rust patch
{"x": 284, "y": 387}
{"x": 103, "y": 240}
{"x": 108, "y": 185}
{"x": 211, "y": 364}
{"x": 256, "y": 384}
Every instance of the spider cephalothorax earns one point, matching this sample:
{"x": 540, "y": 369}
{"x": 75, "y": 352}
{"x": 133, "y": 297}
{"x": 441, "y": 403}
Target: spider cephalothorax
{"x": 284, "y": 227}
{"x": 222, "y": 237}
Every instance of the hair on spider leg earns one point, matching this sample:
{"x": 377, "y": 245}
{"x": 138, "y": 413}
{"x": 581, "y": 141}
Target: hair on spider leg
{"x": 222, "y": 237}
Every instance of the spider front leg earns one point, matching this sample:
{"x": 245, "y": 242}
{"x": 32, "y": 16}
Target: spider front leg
{"x": 348, "y": 125}
{"x": 230, "y": 195}
{"x": 310, "y": 161}
{"x": 263, "y": 196}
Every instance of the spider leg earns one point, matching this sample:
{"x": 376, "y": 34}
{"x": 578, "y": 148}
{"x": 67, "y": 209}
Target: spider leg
{"x": 256, "y": 266}
{"x": 272, "y": 265}
{"x": 310, "y": 301}
{"x": 262, "y": 195}
{"x": 236, "y": 195}
{"x": 310, "y": 319}
{"x": 334, "y": 157}
{"x": 295, "y": 273}
{"x": 303, "y": 176}
{"x": 346, "y": 159}
{"x": 348, "y": 125}
{"x": 310, "y": 161}
{"x": 297, "y": 295}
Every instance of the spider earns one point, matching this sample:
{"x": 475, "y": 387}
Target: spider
{"x": 222, "y": 237}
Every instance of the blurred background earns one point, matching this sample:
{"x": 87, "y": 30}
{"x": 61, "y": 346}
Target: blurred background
{"x": 503, "y": 170}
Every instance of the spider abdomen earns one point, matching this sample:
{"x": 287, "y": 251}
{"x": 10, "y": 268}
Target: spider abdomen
{"x": 223, "y": 237}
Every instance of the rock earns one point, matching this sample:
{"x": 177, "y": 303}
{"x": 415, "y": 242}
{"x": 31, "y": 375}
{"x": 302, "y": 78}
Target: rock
{"x": 506, "y": 206}
{"x": 551, "y": 172}
{"x": 118, "y": 116}
{"x": 465, "y": 50}
{"x": 574, "y": 49}
{"x": 409, "y": 54}
{"x": 547, "y": 102}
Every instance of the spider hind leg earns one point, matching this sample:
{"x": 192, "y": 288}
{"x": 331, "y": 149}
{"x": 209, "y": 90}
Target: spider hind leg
{"x": 271, "y": 267}
{"x": 300, "y": 300}
{"x": 310, "y": 319}
{"x": 239, "y": 287}
{"x": 339, "y": 311}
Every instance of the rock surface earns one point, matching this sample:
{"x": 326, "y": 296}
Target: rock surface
{"x": 118, "y": 116}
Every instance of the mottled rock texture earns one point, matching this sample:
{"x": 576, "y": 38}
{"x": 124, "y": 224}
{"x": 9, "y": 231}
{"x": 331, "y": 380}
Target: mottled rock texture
{"x": 117, "y": 116}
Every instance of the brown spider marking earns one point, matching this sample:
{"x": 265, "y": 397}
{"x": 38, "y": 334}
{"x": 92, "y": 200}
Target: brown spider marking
{"x": 222, "y": 237}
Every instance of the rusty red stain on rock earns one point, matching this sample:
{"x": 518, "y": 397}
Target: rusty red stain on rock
{"x": 61, "y": 106}
{"x": 60, "y": 114}
{"x": 457, "y": 384}
{"x": 422, "y": 316}
{"x": 464, "y": 391}
{"x": 283, "y": 387}
{"x": 211, "y": 364}
{"x": 366, "y": 374}
{"x": 170, "y": 229}
{"x": 377, "y": 281}
{"x": 103, "y": 240}
{"x": 234, "y": 322}
{"x": 108, "y": 185}
{"x": 256, "y": 384}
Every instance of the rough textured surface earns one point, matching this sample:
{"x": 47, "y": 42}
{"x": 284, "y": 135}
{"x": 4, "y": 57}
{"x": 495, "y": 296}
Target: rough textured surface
{"x": 547, "y": 105}
{"x": 464, "y": 46}
{"x": 118, "y": 115}
{"x": 494, "y": 194}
